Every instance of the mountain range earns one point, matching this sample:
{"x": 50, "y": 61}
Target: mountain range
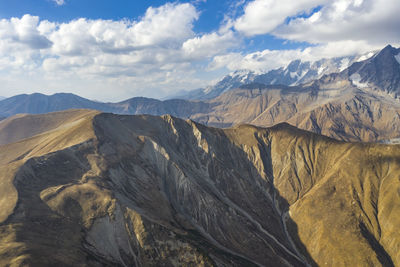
{"x": 295, "y": 73}
{"x": 259, "y": 174}
{"x": 360, "y": 103}
{"x": 81, "y": 187}
{"x": 40, "y": 103}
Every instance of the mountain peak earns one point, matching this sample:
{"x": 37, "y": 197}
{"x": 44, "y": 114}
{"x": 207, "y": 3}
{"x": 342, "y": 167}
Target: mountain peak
{"x": 388, "y": 51}
{"x": 389, "y": 46}
{"x": 381, "y": 71}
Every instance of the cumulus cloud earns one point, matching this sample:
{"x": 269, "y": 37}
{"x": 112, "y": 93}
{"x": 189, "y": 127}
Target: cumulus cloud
{"x": 209, "y": 45}
{"x": 164, "y": 27}
{"x": 22, "y": 31}
{"x": 263, "y": 16}
{"x": 59, "y": 2}
{"x": 134, "y": 52}
{"x": 375, "y": 21}
{"x": 21, "y": 44}
{"x": 337, "y": 28}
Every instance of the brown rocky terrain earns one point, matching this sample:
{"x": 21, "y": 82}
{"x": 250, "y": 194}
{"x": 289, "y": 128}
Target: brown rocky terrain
{"x": 359, "y": 103}
{"x": 331, "y": 106}
{"x": 81, "y": 188}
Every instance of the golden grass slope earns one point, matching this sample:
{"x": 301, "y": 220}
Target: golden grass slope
{"x": 27, "y": 136}
{"x": 343, "y": 197}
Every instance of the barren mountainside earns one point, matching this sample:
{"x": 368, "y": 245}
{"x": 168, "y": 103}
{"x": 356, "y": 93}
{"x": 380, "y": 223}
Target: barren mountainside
{"x": 359, "y": 103}
{"x": 331, "y": 106}
{"x": 92, "y": 189}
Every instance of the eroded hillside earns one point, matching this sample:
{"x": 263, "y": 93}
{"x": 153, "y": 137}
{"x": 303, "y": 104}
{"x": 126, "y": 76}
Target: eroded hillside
{"x": 110, "y": 190}
{"x": 331, "y": 106}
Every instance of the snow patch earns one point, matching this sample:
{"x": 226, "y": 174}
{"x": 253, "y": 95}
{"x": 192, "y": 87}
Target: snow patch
{"x": 208, "y": 89}
{"x": 365, "y": 56}
{"x": 321, "y": 70}
{"x": 344, "y": 64}
{"x": 293, "y": 75}
{"x": 356, "y": 79}
{"x": 397, "y": 57}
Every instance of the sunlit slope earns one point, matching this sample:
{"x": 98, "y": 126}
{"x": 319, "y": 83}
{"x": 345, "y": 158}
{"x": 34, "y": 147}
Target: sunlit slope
{"x": 36, "y": 136}
{"x": 343, "y": 197}
{"x": 330, "y": 106}
{"x": 114, "y": 190}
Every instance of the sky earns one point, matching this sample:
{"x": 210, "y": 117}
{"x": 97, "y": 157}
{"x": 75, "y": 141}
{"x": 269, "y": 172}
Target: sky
{"x": 113, "y": 50}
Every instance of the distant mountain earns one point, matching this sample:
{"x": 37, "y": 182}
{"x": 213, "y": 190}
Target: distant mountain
{"x": 350, "y": 105}
{"x": 331, "y": 106}
{"x": 141, "y": 105}
{"x": 2, "y": 97}
{"x": 40, "y": 103}
{"x": 92, "y": 189}
{"x": 382, "y": 71}
{"x": 336, "y": 105}
{"x": 295, "y": 73}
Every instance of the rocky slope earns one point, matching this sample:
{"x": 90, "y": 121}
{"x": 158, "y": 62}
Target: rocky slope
{"x": 332, "y": 106}
{"x": 90, "y": 189}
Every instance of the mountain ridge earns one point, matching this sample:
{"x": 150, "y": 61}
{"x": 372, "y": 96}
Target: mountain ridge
{"x": 350, "y": 105}
{"x": 145, "y": 189}
{"x": 39, "y": 104}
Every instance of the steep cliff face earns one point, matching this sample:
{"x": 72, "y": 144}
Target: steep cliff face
{"x": 109, "y": 190}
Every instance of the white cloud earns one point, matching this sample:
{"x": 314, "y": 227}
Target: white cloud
{"x": 164, "y": 27}
{"x": 22, "y": 32}
{"x": 263, "y": 16}
{"x": 338, "y": 28}
{"x": 59, "y": 2}
{"x": 209, "y": 45}
{"x": 140, "y": 54}
{"x": 375, "y": 21}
